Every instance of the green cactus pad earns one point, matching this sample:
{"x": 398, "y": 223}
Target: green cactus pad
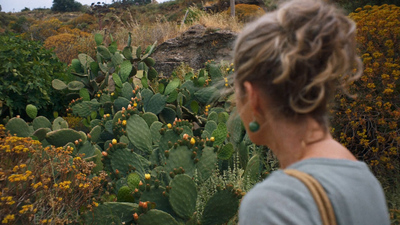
{"x": 156, "y": 195}
{"x": 109, "y": 126}
{"x": 59, "y": 123}
{"x": 95, "y": 133}
{"x": 124, "y": 139}
{"x": 97, "y": 161}
{"x": 84, "y": 93}
{"x": 183, "y": 195}
{"x": 207, "y": 163}
{"x": 94, "y": 122}
{"x": 111, "y": 213}
{"x": 155, "y": 216}
{"x": 213, "y": 116}
{"x": 220, "y": 208}
{"x": 155, "y": 131}
{"x": 225, "y": 152}
{"x": 205, "y": 134}
{"x": 169, "y": 136}
{"x": 210, "y": 126}
{"x": 105, "y": 99}
{"x": 150, "y": 118}
{"x": 85, "y": 61}
{"x": 223, "y": 117}
{"x": 220, "y": 134}
{"x": 19, "y": 127}
{"x": 207, "y": 95}
{"x": 149, "y": 61}
{"x": 83, "y": 136}
{"x": 104, "y": 52}
{"x": 88, "y": 149}
{"x": 58, "y": 84}
{"x": 243, "y": 155}
{"x": 98, "y": 38}
{"x": 172, "y": 96}
{"x": 125, "y": 195}
{"x": 186, "y": 130}
{"x": 180, "y": 157}
{"x": 85, "y": 108}
{"x": 61, "y": 137}
{"x": 172, "y": 85}
{"x": 117, "y": 80}
{"x": 253, "y": 169}
{"x": 121, "y": 102}
{"x": 41, "y": 122}
{"x": 146, "y": 95}
{"x": 156, "y": 103}
{"x": 133, "y": 180}
{"x": 167, "y": 115}
{"x": 75, "y": 85}
{"x": 127, "y": 52}
{"x": 153, "y": 74}
{"x": 117, "y": 59}
{"x": 126, "y": 90}
{"x": 194, "y": 106}
{"x": 125, "y": 70}
{"x": 41, "y": 133}
{"x": 123, "y": 159}
{"x": 139, "y": 133}
{"x": 77, "y": 66}
{"x": 214, "y": 71}
{"x": 235, "y": 129}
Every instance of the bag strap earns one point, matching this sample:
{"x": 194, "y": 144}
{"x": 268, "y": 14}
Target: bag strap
{"x": 317, "y": 191}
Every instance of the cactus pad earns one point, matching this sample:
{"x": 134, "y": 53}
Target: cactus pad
{"x": 133, "y": 180}
{"x": 156, "y": 103}
{"x": 183, "y": 195}
{"x": 61, "y": 137}
{"x": 111, "y": 213}
{"x": 124, "y": 159}
{"x": 221, "y": 207}
{"x": 155, "y": 216}
{"x": 125, "y": 194}
{"x": 150, "y": 118}
{"x": 138, "y": 133}
{"x": 226, "y": 152}
{"x": 19, "y": 127}
{"x": 41, "y": 122}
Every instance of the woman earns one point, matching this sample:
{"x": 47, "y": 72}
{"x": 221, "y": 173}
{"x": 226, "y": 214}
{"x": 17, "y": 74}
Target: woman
{"x": 288, "y": 65}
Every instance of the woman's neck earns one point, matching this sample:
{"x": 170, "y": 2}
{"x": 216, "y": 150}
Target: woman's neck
{"x": 295, "y": 142}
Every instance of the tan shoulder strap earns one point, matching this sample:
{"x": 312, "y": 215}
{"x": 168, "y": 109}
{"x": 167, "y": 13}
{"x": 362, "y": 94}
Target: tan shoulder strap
{"x": 317, "y": 191}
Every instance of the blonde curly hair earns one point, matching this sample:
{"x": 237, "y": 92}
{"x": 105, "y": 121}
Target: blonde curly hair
{"x": 298, "y": 55}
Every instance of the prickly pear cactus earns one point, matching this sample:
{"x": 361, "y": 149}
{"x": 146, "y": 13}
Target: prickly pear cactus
{"x": 18, "y": 126}
{"x": 155, "y": 216}
{"x": 125, "y": 194}
{"x": 221, "y": 207}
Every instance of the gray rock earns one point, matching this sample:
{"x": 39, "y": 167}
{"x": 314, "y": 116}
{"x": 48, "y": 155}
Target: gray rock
{"x": 194, "y": 47}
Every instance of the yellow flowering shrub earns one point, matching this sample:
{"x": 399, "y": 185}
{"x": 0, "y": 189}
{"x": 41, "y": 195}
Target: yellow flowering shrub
{"x": 68, "y": 43}
{"x": 85, "y": 22}
{"x": 369, "y": 124}
{"x": 41, "y": 30}
{"x": 43, "y": 185}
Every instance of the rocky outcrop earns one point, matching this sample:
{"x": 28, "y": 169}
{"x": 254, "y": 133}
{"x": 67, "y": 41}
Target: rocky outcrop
{"x": 194, "y": 47}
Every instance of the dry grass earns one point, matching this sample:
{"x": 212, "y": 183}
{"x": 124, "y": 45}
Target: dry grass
{"x": 144, "y": 34}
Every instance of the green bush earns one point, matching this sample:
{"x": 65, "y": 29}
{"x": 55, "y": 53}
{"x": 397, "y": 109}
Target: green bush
{"x": 26, "y": 72}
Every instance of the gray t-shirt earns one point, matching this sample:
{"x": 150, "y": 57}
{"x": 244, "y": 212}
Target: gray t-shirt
{"x": 356, "y": 195}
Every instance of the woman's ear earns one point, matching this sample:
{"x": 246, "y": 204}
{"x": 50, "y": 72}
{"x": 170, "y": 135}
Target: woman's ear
{"x": 253, "y": 98}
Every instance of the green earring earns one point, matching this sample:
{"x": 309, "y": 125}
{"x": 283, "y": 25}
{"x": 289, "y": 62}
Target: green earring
{"x": 254, "y": 126}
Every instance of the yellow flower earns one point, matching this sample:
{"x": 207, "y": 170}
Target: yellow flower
{"x": 192, "y": 141}
{"x": 147, "y": 176}
{"x": 124, "y": 123}
{"x": 169, "y": 126}
{"x": 212, "y": 139}
{"x": 114, "y": 141}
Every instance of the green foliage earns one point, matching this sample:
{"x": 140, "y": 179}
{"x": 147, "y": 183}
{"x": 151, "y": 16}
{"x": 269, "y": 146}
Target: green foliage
{"x": 26, "y": 71}
{"x": 66, "y": 6}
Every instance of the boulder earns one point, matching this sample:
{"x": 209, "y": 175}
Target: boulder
{"x": 194, "y": 47}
